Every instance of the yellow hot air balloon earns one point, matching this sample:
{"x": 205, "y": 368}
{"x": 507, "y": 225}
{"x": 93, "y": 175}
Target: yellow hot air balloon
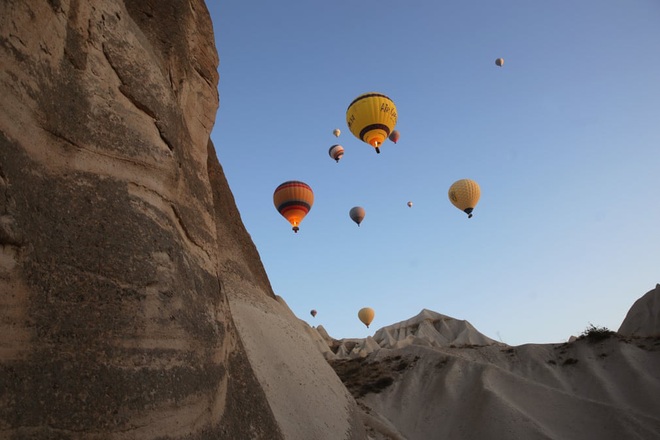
{"x": 464, "y": 194}
{"x": 499, "y": 62}
{"x": 371, "y": 117}
{"x": 336, "y": 132}
{"x": 366, "y": 315}
{"x": 293, "y": 199}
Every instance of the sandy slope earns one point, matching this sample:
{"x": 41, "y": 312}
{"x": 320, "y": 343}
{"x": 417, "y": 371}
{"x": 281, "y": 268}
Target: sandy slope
{"x": 605, "y": 390}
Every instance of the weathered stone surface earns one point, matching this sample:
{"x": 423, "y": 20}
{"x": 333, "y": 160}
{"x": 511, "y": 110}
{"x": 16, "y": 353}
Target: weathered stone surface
{"x": 643, "y": 318}
{"x": 113, "y": 321}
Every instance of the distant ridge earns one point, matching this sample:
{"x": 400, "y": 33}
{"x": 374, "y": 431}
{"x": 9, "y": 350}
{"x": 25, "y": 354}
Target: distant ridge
{"x": 427, "y": 329}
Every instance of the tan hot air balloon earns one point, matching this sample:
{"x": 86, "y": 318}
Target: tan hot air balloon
{"x": 464, "y": 194}
{"x": 336, "y": 152}
{"x": 394, "y": 136}
{"x": 371, "y": 117}
{"x": 313, "y": 313}
{"x": 499, "y": 62}
{"x": 366, "y": 315}
{"x": 336, "y": 132}
{"x": 357, "y": 214}
{"x": 293, "y": 200}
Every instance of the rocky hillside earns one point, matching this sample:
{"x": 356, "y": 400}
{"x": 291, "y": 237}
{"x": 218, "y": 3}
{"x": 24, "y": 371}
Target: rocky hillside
{"x": 415, "y": 380}
{"x": 129, "y": 288}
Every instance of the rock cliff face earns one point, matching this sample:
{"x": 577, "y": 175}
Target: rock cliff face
{"x": 120, "y": 242}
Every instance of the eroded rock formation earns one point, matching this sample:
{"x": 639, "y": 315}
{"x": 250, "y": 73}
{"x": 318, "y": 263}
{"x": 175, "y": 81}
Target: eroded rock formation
{"x": 119, "y": 236}
{"x": 643, "y": 318}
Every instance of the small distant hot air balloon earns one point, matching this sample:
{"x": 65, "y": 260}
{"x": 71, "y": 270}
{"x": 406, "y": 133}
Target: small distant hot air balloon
{"x": 366, "y": 315}
{"x": 371, "y": 117}
{"x": 394, "y": 136}
{"x": 464, "y": 194}
{"x": 336, "y": 132}
{"x": 409, "y": 204}
{"x": 499, "y": 62}
{"x": 357, "y": 214}
{"x": 336, "y": 152}
{"x": 313, "y": 313}
{"x": 293, "y": 199}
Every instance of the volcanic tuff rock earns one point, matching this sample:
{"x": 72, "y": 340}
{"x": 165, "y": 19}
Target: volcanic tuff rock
{"x": 643, "y": 319}
{"x": 412, "y": 383}
{"x": 121, "y": 247}
{"x": 428, "y": 329}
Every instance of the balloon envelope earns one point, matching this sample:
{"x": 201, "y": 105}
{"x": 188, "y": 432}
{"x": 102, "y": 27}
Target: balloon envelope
{"x": 293, "y": 200}
{"x": 394, "y": 136}
{"x": 464, "y": 194}
{"x": 371, "y": 117}
{"x": 336, "y": 152}
{"x": 366, "y": 315}
{"x": 499, "y": 62}
{"x": 313, "y": 313}
{"x": 336, "y": 132}
{"x": 409, "y": 204}
{"x": 357, "y": 214}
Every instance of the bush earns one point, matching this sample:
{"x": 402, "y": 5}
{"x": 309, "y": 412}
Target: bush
{"x": 595, "y": 334}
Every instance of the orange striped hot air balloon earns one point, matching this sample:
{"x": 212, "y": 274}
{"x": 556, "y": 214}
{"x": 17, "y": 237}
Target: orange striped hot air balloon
{"x": 293, "y": 200}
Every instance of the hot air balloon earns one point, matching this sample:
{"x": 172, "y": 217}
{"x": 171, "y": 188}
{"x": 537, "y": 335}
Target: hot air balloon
{"x": 394, "y": 136}
{"x": 293, "y": 199}
{"x": 357, "y": 214}
{"x": 336, "y": 152}
{"x": 371, "y": 117}
{"x": 313, "y": 313}
{"x": 336, "y": 132}
{"x": 366, "y": 315}
{"x": 464, "y": 194}
{"x": 409, "y": 204}
{"x": 499, "y": 62}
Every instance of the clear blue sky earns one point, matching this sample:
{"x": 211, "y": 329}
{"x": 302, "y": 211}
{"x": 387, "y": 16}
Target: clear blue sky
{"x": 564, "y": 141}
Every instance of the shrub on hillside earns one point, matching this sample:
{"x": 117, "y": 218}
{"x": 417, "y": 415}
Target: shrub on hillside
{"x": 595, "y": 334}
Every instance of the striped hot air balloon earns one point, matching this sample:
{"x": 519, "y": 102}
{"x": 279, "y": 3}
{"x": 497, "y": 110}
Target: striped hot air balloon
{"x": 336, "y": 152}
{"x": 371, "y": 117}
{"x": 293, "y": 200}
{"x": 464, "y": 194}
